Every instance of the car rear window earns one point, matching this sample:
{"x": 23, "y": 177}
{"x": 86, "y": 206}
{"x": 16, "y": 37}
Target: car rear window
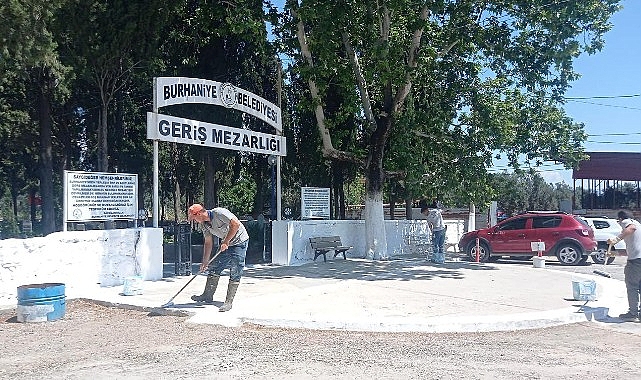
{"x": 582, "y": 221}
{"x": 546, "y": 221}
{"x": 600, "y": 224}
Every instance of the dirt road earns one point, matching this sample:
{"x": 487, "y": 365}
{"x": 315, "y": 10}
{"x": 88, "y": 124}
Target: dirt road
{"x": 97, "y": 342}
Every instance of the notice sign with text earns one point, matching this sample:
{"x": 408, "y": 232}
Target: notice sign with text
{"x": 315, "y": 203}
{"x": 100, "y": 196}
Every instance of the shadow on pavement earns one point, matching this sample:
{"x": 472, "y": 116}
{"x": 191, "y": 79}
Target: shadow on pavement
{"x": 406, "y": 268}
{"x": 403, "y": 268}
{"x": 600, "y": 314}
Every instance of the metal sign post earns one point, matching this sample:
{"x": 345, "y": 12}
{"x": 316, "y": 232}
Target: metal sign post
{"x": 179, "y": 90}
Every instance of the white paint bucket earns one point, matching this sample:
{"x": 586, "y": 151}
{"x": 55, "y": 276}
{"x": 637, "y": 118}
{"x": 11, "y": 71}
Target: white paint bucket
{"x": 539, "y": 262}
{"x": 584, "y": 290}
{"x": 132, "y": 286}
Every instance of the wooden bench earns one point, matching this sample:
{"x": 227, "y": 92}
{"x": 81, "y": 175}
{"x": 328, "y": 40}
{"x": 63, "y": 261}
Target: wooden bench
{"x": 323, "y": 244}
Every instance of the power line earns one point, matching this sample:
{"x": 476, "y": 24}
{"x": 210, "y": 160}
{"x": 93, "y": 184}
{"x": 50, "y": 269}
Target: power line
{"x": 603, "y": 97}
{"x": 616, "y": 134}
{"x": 605, "y": 105}
{"x": 614, "y": 142}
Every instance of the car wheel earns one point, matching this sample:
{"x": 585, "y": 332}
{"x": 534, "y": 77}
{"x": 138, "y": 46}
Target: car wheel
{"x": 569, "y": 254}
{"x": 600, "y": 256}
{"x": 484, "y": 252}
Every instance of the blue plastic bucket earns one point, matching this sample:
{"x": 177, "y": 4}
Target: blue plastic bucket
{"x": 41, "y": 302}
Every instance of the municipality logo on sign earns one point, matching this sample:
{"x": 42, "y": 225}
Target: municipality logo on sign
{"x": 228, "y": 95}
{"x": 178, "y": 90}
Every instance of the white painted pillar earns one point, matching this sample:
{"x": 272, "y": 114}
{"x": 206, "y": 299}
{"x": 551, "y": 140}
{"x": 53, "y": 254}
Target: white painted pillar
{"x": 492, "y": 217}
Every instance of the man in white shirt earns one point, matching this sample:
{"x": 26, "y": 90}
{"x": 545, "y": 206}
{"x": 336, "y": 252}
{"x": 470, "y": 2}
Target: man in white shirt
{"x": 631, "y": 234}
{"x": 435, "y": 219}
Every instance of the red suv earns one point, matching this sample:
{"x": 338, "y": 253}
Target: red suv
{"x": 566, "y": 236}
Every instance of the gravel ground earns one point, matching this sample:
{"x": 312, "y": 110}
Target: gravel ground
{"x": 98, "y": 342}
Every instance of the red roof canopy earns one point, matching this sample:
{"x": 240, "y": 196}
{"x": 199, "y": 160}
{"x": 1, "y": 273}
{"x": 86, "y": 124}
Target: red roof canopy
{"x": 610, "y": 166}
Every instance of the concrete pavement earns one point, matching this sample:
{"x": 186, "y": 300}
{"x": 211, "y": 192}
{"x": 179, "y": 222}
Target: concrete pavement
{"x": 402, "y": 294}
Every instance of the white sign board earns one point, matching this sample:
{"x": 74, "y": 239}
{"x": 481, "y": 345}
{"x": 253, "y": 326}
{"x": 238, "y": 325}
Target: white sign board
{"x": 537, "y": 246}
{"x": 315, "y": 203}
{"x": 179, "y": 90}
{"x": 100, "y": 196}
{"x": 185, "y": 131}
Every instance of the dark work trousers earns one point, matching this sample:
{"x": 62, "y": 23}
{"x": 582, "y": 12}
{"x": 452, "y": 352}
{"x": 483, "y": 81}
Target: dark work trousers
{"x": 232, "y": 258}
{"x": 632, "y": 273}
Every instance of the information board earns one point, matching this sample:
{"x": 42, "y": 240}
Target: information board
{"x": 100, "y": 196}
{"x": 315, "y": 203}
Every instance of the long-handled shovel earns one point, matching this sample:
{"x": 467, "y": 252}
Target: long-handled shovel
{"x": 608, "y": 254}
{"x": 170, "y": 303}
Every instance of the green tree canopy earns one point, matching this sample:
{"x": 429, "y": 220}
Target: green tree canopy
{"x": 482, "y": 76}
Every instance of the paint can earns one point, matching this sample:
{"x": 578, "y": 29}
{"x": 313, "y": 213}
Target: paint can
{"x": 539, "y": 261}
{"x": 132, "y": 286}
{"x": 41, "y": 302}
{"x": 584, "y": 290}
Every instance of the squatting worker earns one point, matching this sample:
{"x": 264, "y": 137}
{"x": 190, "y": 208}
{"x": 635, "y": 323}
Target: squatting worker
{"x": 221, "y": 223}
{"x": 631, "y": 234}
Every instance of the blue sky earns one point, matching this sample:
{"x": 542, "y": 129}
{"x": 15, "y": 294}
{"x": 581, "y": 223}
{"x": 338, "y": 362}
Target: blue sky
{"x": 612, "y": 123}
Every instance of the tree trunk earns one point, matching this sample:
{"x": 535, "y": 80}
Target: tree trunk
{"x": 341, "y": 201}
{"x": 14, "y": 202}
{"x": 174, "y": 176}
{"x": 337, "y": 185}
{"x": 375, "y": 225}
{"x": 48, "y": 222}
{"x": 103, "y": 154}
{"x": 32, "y": 206}
{"x": 209, "y": 200}
{"x": 376, "y": 236}
{"x": 260, "y": 167}
{"x": 408, "y": 208}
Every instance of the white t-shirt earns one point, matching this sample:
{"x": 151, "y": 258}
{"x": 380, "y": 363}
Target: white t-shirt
{"x": 436, "y": 219}
{"x": 632, "y": 242}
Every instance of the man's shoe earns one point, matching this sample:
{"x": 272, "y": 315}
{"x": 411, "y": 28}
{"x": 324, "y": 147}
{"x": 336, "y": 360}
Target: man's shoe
{"x": 629, "y": 317}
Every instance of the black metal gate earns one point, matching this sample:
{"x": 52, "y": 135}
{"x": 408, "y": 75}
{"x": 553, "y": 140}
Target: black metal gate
{"x": 181, "y": 234}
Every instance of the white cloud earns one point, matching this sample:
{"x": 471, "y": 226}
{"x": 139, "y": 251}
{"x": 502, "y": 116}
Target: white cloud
{"x": 556, "y": 176}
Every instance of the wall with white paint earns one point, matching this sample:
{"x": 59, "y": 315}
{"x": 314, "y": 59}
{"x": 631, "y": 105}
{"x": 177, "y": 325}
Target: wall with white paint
{"x": 80, "y": 259}
{"x": 290, "y": 238}
{"x": 101, "y": 258}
